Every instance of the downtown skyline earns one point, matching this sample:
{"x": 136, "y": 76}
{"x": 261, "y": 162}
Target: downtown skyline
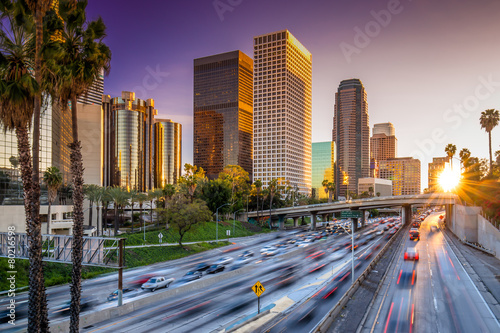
{"x": 422, "y": 68}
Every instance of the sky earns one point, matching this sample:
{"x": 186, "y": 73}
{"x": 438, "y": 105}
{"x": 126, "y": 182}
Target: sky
{"x": 428, "y": 67}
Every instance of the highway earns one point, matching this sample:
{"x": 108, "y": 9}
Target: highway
{"x": 439, "y": 297}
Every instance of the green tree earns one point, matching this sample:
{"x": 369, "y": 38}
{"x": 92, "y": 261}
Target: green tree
{"x": 489, "y": 119}
{"x": 464, "y": 156}
{"x": 184, "y": 214}
{"x": 81, "y": 57}
{"x": 238, "y": 178}
{"x": 450, "y": 150}
{"x": 370, "y": 191}
{"x": 18, "y": 91}
{"x": 133, "y": 199}
{"x": 141, "y": 199}
{"x": 119, "y": 197}
{"x": 53, "y": 179}
{"x": 329, "y": 188}
{"x": 258, "y": 189}
{"x": 191, "y": 178}
{"x": 216, "y": 193}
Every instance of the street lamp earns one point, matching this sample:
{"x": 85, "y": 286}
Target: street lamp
{"x": 234, "y": 218}
{"x": 352, "y": 249}
{"x": 217, "y": 222}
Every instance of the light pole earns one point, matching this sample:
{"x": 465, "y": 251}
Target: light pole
{"x": 234, "y": 218}
{"x": 352, "y": 249}
{"x": 217, "y": 222}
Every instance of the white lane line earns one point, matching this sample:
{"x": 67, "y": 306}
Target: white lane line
{"x": 470, "y": 280}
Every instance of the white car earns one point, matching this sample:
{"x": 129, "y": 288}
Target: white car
{"x": 157, "y": 282}
{"x": 224, "y": 261}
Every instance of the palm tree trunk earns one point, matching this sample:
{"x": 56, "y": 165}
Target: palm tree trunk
{"x": 491, "y": 158}
{"x": 36, "y": 297}
{"x": 132, "y": 209}
{"x": 91, "y": 208}
{"x": 97, "y": 222}
{"x": 116, "y": 218}
{"x": 77, "y": 252}
{"x": 48, "y": 218}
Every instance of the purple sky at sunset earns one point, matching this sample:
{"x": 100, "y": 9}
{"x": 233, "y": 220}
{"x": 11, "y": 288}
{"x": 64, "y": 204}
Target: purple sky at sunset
{"x": 424, "y": 68}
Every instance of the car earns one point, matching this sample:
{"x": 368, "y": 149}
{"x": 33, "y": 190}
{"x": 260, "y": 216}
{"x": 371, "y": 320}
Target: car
{"x": 157, "y": 282}
{"x": 141, "y": 280}
{"x": 266, "y": 249}
{"x": 411, "y": 253}
{"x": 191, "y": 276}
{"x": 415, "y": 225}
{"x": 215, "y": 269}
{"x": 434, "y": 228}
{"x": 407, "y": 276}
{"x": 246, "y": 253}
{"x": 202, "y": 267}
{"x": 223, "y": 261}
{"x": 126, "y": 292}
{"x": 85, "y": 304}
{"x": 414, "y": 234}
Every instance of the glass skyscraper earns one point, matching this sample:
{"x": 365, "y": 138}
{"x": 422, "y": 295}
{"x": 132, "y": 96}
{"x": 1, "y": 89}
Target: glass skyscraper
{"x": 323, "y": 162}
{"x": 167, "y": 156}
{"x": 223, "y": 112}
{"x": 282, "y": 110}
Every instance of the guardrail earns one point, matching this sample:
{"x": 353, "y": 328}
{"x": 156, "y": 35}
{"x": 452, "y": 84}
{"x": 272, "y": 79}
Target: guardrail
{"x": 327, "y": 321}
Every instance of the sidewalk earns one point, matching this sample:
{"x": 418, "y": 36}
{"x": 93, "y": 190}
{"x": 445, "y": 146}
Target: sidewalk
{"x": 483, "y": 269}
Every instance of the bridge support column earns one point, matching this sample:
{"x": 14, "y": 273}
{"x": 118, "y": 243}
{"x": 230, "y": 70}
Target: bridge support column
{"x": 450, "y": 217}
{"x": 281, "y": 222}
{"x": 354, "y": 224}
{"x": 313, "y": 221}
{"x": 295, "y": 221}
{"x": 406, "y": 211}
{"x": 324, "y": 218}
{"x": 363, "y": 219}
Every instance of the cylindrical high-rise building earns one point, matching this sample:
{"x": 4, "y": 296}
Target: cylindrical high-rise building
{"x": 167, "y": 152}
{"x": 351, "y": 134}
{"x": 128, "y": 142}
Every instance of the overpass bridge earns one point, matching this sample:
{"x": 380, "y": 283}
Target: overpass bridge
{"x": 405, "y": 202}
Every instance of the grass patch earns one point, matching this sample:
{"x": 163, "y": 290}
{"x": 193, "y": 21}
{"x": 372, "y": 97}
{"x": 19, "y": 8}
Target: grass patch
{"x": 200, "y": 233}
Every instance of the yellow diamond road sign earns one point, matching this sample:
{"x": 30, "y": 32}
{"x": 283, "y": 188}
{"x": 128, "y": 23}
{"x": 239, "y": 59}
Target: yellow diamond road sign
{"x": 258, "y": 289}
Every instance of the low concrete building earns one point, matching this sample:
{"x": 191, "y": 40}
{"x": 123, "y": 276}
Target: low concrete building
{"x": 382, "y": 186}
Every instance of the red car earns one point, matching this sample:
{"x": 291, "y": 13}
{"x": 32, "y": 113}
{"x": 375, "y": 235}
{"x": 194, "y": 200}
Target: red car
{"x": 411, "y": 254}
{"x": 141, "y": 280}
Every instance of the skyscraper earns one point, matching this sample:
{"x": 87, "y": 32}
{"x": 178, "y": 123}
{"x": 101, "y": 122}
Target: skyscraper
{"x": 383, "y": 146}
{"x": 323, "y": 161}
{"x": 93, "y": 95}
{"x": 128, "y": 142}
{"x": 167, "y": 152}
{"x": 404, "y": 173}
{"x": 223, "y": 112}
{"x": 435, "y": 168}
{"x": 351, "y": 134}
{"x": 282, "y": 110}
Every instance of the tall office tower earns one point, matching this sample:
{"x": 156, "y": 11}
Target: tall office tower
{"x": 94, "y": 94}
{"x": 351, "y": 134}
{"x": 282, "y": 110}
{"x": 383, "y": 143}
{"x": 128, "y": 142}
{"x": 435, "y": 168}
{"x": 323, "y": 162}
{"x": 404, "y": 173}
{"x": 167, "y": 152}
{"x": 223, "y": 112}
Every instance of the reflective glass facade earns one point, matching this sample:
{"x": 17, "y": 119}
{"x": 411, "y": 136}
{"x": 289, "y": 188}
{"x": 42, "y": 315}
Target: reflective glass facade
{"x": 128, "y": 142}
{"x": 323, "y": 161}
{"x": 167, "y": 157}
{"x": 404, "y": 173}
{"x": 223, "y": 112}
{"x": 351, "y": 134}
{"x": 282, "y": 110}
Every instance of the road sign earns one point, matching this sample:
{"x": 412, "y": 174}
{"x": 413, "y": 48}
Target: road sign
{"x": 228, "y": 232}
{"x": 347, "y": 214}
{"x": 258, "y": 289}
{"x": 160, "y": 236}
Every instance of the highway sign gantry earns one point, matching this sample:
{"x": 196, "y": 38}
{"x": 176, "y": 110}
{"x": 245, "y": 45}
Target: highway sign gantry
{"x": 348, "y": 214}
{"x": 258, "y": 289}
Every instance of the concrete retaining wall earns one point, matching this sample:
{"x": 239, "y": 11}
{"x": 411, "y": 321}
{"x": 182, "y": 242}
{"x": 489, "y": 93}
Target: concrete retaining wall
{"x": 488, "y": 235}
{"x": 465, "y": 225}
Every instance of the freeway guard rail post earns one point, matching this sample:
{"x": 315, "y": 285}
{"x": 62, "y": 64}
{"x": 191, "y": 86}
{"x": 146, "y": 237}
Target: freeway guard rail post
{"x": 328, "y": 319}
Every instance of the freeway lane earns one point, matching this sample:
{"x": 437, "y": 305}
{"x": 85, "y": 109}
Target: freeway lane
{"x": 440, "y": 297}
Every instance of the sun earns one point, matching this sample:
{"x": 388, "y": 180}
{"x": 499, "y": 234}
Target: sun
{"x": 449, "y": 178}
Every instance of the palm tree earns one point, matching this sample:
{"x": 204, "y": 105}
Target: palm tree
{"x": 329, "y": 188}
{"x": 105, "y": 200}
{"x": 168, "y": 192}
{"x": 119, "y": 198}
{"x": 133, "y": 198}
{"x": 18, "y": 89}
{"x": 153, "y": 195}
{"x": 464, "y": 156}
{"x": 141, "y": 199}
{"x": 53, "y": 179}
{"x": 450, "y": 150}
{"x": 272, "y": 188}
{"x": 489, "y": 119}
{"x": 82, "y": 57}
{"x": 92, "y": 192}
{"x": 258, "y": 187}
{"x": 98, "y": 199}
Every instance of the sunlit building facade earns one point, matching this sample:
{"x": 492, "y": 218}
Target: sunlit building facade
{"x": 223, "y": 112}
{"x": 323, "y": 162}
{"x": 404, "y": 173}
{"x": 282, "y": 110}
{"x": 351, "y": 134}
{"x": 128, "y": 142}
{"x": 167, "y": 152}
{"x": 435, "y": 169}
